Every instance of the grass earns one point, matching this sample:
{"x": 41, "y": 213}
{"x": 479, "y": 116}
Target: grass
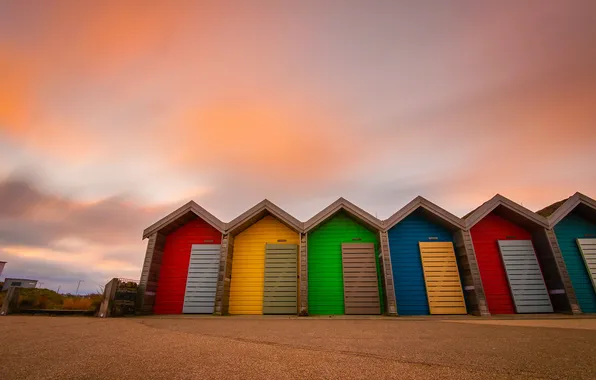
{"x": 49, "y": 299}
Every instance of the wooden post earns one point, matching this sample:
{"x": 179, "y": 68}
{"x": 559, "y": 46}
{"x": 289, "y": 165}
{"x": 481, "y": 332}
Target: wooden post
{"x": 11, "y": 302}
{"x": 303, "y": 281}
{"x": 105, "y": 309}
{"x": 466, "y": 260}
{"x": 387, "y": 273}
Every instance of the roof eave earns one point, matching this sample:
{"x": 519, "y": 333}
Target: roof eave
{"x": 174, "y": 215}
{"x": 431, "y": 207}
{"x": 350, "y": 208}
{"x": 265, "y": 206}
{"x": 499, "y": 200}
{"x": 568, "y": 206}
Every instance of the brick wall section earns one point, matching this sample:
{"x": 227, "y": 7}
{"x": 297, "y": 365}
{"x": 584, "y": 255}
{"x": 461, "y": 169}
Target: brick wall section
{"x": 222, "y": 295}
{"x": 150, "y": 273}
{"x": 387, "y": 273}
{"x": 468, "y": 266}
{"x": 303, "y": 252}
{"x": 556, "y": 251}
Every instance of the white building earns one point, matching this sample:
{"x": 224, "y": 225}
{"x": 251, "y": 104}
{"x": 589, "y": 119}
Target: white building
{"x": 19, "y": 283}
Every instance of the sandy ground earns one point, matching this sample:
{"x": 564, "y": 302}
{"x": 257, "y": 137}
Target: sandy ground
{"x": 290, "y": 348}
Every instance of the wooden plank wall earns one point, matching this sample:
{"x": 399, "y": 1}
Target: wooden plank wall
{"x": 441, "y": 276}
{"x": 201, "y": 282}
{"x": 222, "y": 295}
{"x": 587, "y": 247}
{"x": 470, "y": 273}
{"x": 556, "y": 250}
{"x": 361, "y": 290}
{"x": 280, "y": 285}
{"x": 557, "y": 280}
{"x": 387, "y": 273}
{"x": 527, "y": 285}
{"x": 303, "y": 281}
{"x": 150, "y": 273}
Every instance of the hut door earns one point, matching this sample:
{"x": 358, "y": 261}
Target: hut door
{"x": 525, "y": 278}
{"x": 443, "y": 286}
{"x": 361, "y": 290}
{"x": 280, "y": 292}
{"x": 201, "y": 282}
{"x": 588, "y": 249}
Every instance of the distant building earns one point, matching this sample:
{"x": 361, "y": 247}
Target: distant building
{"x": 19, "y": 283}
{"x": 2, "y": 264}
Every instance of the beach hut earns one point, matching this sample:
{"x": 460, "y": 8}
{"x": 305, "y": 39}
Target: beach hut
{"x": 572, "y": 234}
{"x": 344, "y": 272}
{"x": 181, "y": 262}
{"x": 516, "y": 263}
{"x": 262, "y": 262}
{"x": 427, "y": 267}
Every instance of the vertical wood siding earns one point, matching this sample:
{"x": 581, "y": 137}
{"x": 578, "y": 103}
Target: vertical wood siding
{"x": 441, "y": 276}
{"x": 201, "y": 282}
{"x": 248, "y": 263}
{"x": 524, "y": 276}
{"x": 171, "y": 286}
{"x": 572, "y": 227}
{"x": 485, "y": 234}
{"x": 325, "y": 279}
{"x": 408, "y": 276}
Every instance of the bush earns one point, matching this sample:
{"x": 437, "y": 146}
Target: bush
{"x": 39, "y": 299}
{"x": 77, "y": 303}
{"x": 48, "y": 299}
{"x": 96, "y": 301}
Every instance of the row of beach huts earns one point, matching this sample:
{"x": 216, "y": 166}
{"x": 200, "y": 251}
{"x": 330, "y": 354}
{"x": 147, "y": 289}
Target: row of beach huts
{"x": 501, "y": 258}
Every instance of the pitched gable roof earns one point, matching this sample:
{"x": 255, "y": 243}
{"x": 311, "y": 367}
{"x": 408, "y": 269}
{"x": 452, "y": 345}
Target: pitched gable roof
{"x": 420, "y": 202}
{"x": 498, "y": 200}
{"x": 548, "y": 210}
{"x": 568, "y": 205}
{"x": 259, "y": 210}
{"x": 184, "y": 214}
{"x": 347, "y": 206}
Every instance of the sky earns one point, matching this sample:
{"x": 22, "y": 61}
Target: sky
{"x": 113, "y": 114}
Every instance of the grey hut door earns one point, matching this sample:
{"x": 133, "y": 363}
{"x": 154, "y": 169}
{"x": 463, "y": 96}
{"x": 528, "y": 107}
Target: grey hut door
{"x": 525, "y": 277}
{"x": 587, "y": 247}
{"x": 281, "y": 288}
{"x": 201, "y": 282}
{"x": 361, "y": 289}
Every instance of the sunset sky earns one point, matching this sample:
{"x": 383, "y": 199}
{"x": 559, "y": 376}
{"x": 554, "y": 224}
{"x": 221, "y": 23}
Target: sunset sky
{"x": 113, "y": 115}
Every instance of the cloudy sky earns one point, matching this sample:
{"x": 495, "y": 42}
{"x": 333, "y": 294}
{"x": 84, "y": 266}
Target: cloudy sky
{"x": 113, "y": 115}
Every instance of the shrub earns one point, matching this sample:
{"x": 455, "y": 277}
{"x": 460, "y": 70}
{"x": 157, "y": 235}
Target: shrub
{"x": 77, "y": 303}
{"x": 39, "y": 299}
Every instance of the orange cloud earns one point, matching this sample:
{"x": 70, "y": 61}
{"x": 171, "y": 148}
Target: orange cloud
{"x": 15, "y": 94}
{"x": 65, "y": 49}
{"x": 271, "y": 140}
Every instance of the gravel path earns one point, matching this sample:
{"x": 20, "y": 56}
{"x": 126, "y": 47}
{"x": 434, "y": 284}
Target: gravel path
{"x": 277, "y": 348}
